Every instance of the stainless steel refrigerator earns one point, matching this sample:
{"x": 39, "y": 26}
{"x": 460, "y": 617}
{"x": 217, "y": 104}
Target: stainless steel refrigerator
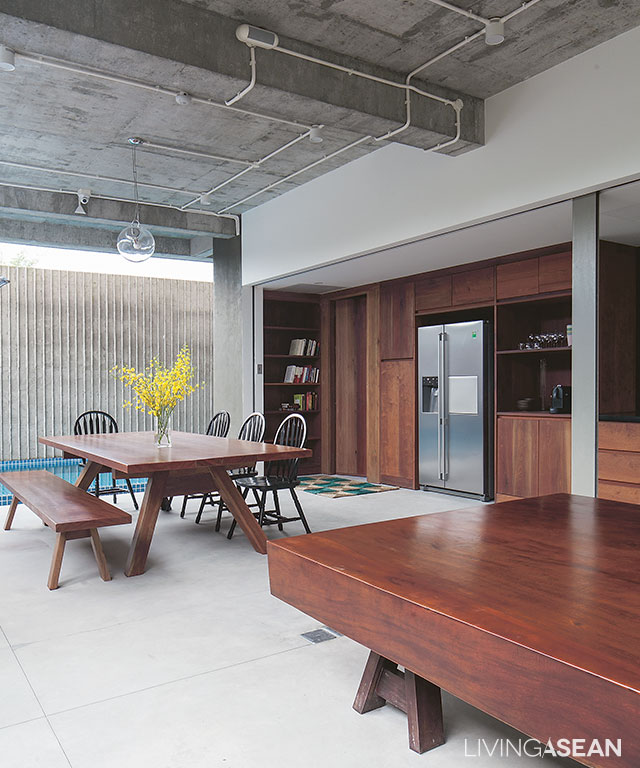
{"x": 455, "y": 408}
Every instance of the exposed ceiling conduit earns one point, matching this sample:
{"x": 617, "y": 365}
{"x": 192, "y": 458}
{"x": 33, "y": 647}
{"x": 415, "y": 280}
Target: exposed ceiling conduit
{"x": 196, "y": 153}
{"x": 461, "y": 11}
{"x": 81, "y": 70}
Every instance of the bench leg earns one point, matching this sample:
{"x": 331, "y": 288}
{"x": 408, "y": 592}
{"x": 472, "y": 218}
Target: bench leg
{"x": 100, "y": 558}
{"x": 419, "y": 699}
{"x": 12, "y": 510}
{"x": 56, "y": 561}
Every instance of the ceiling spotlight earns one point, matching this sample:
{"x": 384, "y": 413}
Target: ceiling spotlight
{"x": 205, "y": 199}
{"x": 183, "y": 98}
{"x": 315, "y": 134}
{"x": 494, "y": 32}
{"x": 255, "y": 37}
{"x": 84, "y": 195}
{"x": 7, "y": 59}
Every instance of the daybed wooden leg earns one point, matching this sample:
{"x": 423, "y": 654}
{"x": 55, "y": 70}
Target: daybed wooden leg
{"x": 12, "y": 510}
{"x": 99, "y": 553}
{"x": 56, "y": 561}
{"x": 419, "y": 699}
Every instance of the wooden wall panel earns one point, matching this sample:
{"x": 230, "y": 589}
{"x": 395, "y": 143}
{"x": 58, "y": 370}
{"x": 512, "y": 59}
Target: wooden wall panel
{"x": 473, "y": 287}
{"x": 433, "y": 293}
{"x": 327, "y": 388}
{"x": 554, "y": 466}
{"x": 351, "y": 389}
{"x": 517, "y": 457}
{"x": 517, "y": 278}
{"x": 397, "y": 322}
{"x": 373, "y": 384}
{"x": 554, "y": 272}
{"x": 397, "y": 422}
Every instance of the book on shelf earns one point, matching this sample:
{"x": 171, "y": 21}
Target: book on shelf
{"x": 304, "y": 347}
{"x": 301, "y": 374}
{"x": 306, "y": 401}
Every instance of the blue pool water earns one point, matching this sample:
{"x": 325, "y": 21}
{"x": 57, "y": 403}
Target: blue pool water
{"x": 68, "y": 469}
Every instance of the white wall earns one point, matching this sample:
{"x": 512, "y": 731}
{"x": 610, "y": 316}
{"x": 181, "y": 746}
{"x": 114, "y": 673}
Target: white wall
{"x": 565, "y": 132}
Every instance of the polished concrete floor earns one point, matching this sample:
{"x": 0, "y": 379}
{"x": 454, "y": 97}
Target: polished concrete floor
{"x": 193, "y": 663}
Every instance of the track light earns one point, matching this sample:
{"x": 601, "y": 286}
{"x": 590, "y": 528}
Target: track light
{"x": 183, "y": 99}
{"x": 315, "y": 134}
{"x": 84, "y": 195}
{"x": 494, "y": 32}
{"x": 7, "y": 59}
{"x": 256, "y": 37}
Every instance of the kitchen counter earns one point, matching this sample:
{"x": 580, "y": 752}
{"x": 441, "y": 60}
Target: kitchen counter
{"x": 630, "y": 418}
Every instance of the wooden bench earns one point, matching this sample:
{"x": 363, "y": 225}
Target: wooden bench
{"x": 69, "y": 511}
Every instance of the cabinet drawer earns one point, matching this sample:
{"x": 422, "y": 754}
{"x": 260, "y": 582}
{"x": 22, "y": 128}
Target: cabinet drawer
{"x": 620, "y": 466}
{"x": 518, "y": 278}
{"x": 619, "y": 436}
{"x": 473, "y": 287}
{"x": 619, "y": 491}
{"x": 554, "y": 272}
{"x": 433, "y": 293}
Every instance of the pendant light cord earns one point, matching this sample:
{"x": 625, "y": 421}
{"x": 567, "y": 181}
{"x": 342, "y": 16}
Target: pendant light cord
{"x": 135, "y": 181}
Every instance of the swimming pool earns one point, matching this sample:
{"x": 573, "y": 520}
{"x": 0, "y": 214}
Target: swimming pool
{"x": 68, "y": 469}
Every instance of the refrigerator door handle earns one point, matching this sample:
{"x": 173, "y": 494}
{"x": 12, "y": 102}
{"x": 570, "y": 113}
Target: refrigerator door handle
{"x": 442, "y": 409}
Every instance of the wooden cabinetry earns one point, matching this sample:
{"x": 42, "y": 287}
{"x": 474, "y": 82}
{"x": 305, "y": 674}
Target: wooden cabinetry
{"x": 397, "y": 320}
{"x": 533, "y": 455}
{"x": 619, "y": 461}
{"x": 288, "y": 316}
{"x": 397, "y": 422}
{"x": 433, "y": 293}
{"x": 473, "y": 287}
{"x": 554, "y": 272}
{"x": 517, "y": 278}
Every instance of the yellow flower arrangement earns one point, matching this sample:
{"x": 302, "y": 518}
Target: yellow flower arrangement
{"x": 159, "y": 389}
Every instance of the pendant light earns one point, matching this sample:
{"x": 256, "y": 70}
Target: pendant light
{"x": 135, "y": 242}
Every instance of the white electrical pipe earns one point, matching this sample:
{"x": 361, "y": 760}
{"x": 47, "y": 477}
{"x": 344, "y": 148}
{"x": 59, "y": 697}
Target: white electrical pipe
{"x": 49, "y": 61}
{"x": 461, "y": 11}
{"x": 252, "y": 82}
{"x": 194, "y": 152}
{"x": 295, "y": 173}
{"x": 93, "y": 176}
{"x": 255, "y": 165}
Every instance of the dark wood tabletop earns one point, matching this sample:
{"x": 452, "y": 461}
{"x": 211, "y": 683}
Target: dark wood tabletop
{"x": 528, "y": 609}
{"x": 135, "y": 453}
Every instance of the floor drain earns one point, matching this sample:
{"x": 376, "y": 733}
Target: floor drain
{"x": 318, "y": 635}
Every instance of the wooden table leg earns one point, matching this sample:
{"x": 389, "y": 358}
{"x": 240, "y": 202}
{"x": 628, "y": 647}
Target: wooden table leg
{"x": 56, "y": 561}
{"x": 96, "y": 545}
{"x": 419, "y": 699}
{"x": 239, "y": 509}
{"x": 12, "y": 510}
{"x": 139, "y": 549}
{"x": 89, "y": 473}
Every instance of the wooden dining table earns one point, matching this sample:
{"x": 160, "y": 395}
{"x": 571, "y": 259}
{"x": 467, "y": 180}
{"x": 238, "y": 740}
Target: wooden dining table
{"x": 194, "y": 463}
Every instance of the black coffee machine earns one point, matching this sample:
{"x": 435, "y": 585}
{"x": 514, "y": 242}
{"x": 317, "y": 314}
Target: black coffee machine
{"x": 560, "y": 399}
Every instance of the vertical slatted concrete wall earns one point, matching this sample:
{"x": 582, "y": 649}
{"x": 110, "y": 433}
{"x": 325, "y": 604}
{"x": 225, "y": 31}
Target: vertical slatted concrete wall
{"x": 61, "y": 333}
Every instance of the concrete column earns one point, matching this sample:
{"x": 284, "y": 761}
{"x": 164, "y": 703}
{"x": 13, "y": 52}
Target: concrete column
{"x": 228, "y": 330}
{"x": 584, "y": 367}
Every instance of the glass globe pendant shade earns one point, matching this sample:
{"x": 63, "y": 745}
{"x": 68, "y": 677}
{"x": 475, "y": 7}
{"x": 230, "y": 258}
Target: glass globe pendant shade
{"x": 136, "y": 243}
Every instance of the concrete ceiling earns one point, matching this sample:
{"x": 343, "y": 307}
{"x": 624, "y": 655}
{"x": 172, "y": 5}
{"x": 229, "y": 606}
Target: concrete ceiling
{"x": 54, "y": 120}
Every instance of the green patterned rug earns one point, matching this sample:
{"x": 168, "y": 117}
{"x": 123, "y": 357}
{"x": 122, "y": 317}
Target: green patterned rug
{"x": 339, "y": 487}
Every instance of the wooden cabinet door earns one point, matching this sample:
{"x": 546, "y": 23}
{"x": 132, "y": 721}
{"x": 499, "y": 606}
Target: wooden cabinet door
{"x": 397, "y": 320}
{"x": 517, "y": 456}
{"x": 518, "y": 278}
{"x": 397, "y": 422}
{"x": 473, "y": 287}
{"x": 433, "y": 293}
{"x": 554, "y": 272}
{"x": 554, "y": 467}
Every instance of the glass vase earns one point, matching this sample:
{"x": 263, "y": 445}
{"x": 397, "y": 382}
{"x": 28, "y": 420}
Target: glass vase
{"x": 163, "y": 436}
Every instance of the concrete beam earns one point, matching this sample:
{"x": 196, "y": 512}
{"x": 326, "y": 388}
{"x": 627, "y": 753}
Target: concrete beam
{"x": 62, "y": 235}
{"x": 196, "y": 37}
{"x": 110, "y": 214}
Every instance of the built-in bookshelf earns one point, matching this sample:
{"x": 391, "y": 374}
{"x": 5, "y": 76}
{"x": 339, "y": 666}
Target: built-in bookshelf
{"x": 291, "y": 353}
